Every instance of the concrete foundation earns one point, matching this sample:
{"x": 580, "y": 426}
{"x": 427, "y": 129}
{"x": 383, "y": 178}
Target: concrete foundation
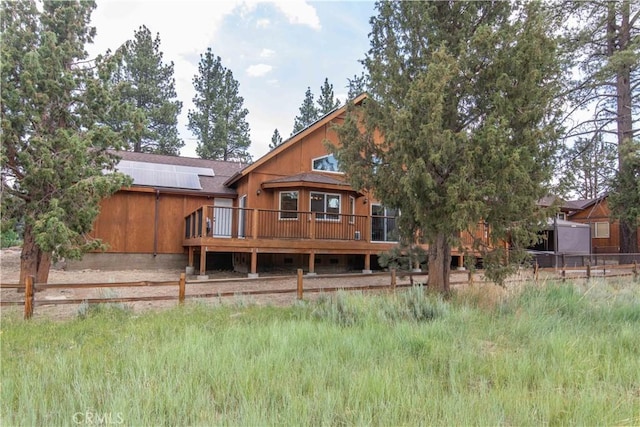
{"x": 120, "y": 261}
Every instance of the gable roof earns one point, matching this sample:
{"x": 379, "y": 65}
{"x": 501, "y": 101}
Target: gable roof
{"x": 569, "y": 205}
{"x": 212, "y": 185}
{"x": 294, "y": 139}
{"x": 582, "y": 204}
{"x": 551, "y": 200}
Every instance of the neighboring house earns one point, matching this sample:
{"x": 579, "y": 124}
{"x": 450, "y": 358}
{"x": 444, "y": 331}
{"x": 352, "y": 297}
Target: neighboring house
{"x": 290, "y": 209}
{"x": 605, "y": 231}
{"x": 576, "y": 219}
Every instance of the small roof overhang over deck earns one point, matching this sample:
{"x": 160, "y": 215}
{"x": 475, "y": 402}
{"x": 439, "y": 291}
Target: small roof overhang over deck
{"x": 309, "y": 180}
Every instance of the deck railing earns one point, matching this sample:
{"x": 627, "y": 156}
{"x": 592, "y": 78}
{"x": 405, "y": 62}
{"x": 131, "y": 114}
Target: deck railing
{"x": 224, "y": 222}
{"x": 229, "y": 222}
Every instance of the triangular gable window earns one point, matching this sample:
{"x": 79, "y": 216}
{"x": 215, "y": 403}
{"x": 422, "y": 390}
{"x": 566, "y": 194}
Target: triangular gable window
{"x": 326, "y": 164}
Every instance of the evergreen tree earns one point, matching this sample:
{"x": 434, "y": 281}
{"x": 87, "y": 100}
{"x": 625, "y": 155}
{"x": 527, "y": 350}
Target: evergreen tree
{"x": 147, "y": 87}
{"x": 219, "y": 119}
{"x": 624, "y": 199}
{"x": 326, "y": 100}
{"x": 603, "y": 43}
{"x": 460, "y": 96}
{"x": 53, "y": 147}
{"x": 357, "y": 86}
{"x": 276, "y": 140}
{"x": 308, "y": 113}
{"x": 589, "y": 168}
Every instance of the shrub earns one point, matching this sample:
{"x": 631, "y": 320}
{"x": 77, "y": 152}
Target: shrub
{"x": 9, "y": 238}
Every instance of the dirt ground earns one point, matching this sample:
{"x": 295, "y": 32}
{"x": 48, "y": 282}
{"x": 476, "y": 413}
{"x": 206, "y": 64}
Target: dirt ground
{"x": 218, "y": 282}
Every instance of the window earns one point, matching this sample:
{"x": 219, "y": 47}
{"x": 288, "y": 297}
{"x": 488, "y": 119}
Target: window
{"x": 561, "y": 215}
{"x": 289, "y": 205}
{"x": 325, "y": 164}
{"x": 383, "y": 224}
{"x": 326, "y": 206}
{"x": 352, "y": 209}
{"x": 601, "y": 230}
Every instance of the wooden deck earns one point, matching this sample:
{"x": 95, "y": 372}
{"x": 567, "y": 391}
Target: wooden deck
{"x": 243, "y": 230}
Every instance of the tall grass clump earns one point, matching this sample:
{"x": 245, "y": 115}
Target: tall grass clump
{"x": 349, "y": 308}
{"x": 110, "y": 309}
{"x": 554, "y": 354}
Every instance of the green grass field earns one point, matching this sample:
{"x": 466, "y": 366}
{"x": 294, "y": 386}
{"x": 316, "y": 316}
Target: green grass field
{"x": 555, "y": 354}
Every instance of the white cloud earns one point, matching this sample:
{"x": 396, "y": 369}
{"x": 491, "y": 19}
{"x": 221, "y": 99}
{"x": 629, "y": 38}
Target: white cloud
{"x": 267, "y": 53}
{"x": 263, "y": 23}
{"x": 258, "y": 70}
{"x": 299, "y": 12}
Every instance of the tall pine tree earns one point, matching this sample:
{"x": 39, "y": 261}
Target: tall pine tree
{"x": 276, "y": 139}
{"x": 603, "y": 43}
{"x": 54, "y": 148}
{"x": 147, "y": 87}
{"x": 327, "y": 101}
{"x": 357, "y": 86}
{"x": 308, "y": 113}
{"x": 219, "y": 119}
{"x": 589, "y": 168}
{"x": 461, "y": 96}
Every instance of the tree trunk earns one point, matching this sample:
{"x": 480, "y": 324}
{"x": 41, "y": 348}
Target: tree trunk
{"x": 620, "y": 40}
{"x": 33, "y": 262}
{"x": 44, "y": 265}
{"x": 439, "y": 264}
{"x": 29, "y": 256}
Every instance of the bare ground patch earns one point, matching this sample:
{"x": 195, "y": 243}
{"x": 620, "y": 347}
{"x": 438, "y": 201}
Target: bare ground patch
{"x": 219, "y": 283}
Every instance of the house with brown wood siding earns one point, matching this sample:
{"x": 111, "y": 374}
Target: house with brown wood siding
{"x": 605, "y": 230}
{"x": 142, "y": 225}
{"x": 292, "y": 208}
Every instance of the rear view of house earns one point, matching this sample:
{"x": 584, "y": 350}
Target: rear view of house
{"x": 292, "y": 208}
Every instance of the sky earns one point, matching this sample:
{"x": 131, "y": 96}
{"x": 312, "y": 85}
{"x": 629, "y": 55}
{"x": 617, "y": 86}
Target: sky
{"x": 275, "y": 50}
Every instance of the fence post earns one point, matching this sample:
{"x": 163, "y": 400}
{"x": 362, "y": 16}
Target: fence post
{"x": 300, "y": 284}
{"x": 536, "y": 268}
{"x": 470, "y": 277}
{"x": 28, "y": 297}
{"x": 181, "y": 288}
{"x": 588, "y": 270}
{"x": 564, "y": 273}
{"x": 635, "y": 270}
{"x": 393, "y": 279}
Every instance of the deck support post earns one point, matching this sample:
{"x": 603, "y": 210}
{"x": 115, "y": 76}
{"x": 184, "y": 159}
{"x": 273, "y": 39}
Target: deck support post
{"x": 461, "y": 262}
{"x": 190, "y": 269}
{"x": 254, "y": 224}
{"x": 203, "y": 223}
{"x": 254, "y": 264}
{"x": 367, "y": 263}
{"x": 203, "y": 263}
{"x": 312, "y": 264}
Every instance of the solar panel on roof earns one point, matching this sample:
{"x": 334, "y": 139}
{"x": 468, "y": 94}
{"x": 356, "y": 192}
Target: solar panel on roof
{"x": 164, "y": 175}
